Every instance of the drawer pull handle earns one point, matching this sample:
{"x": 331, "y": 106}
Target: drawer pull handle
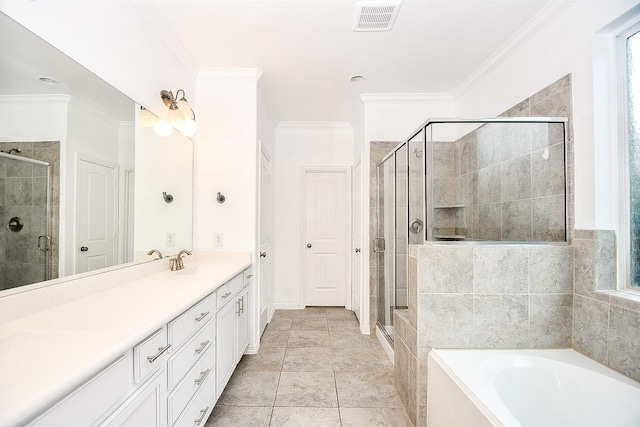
{"x": 242, "y": 304}
{"x": 203, "y": 375}
{"x": 161, "y": 350}
{"x": 226, "y": 295}
{"x": 202, "y": 316}
{"x": 203, "y": 345}
{"x": 203, "y": 412}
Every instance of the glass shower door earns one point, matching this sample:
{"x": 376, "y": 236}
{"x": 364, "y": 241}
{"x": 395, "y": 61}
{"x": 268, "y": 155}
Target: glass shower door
{"x": 25, "y": 220}
{"x": 385, "y": 246}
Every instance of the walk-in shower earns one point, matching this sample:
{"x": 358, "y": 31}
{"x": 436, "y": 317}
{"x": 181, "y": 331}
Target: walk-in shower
{"x": 467, "y": 181}
{"x": 25, "y": 212}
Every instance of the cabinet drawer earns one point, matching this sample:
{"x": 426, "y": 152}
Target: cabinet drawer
{"x": 84, "y": 406}
{"x": 180, "y": 363}
{"x": 191, "y": 320}
{"x": 201, "y": 405}
{"x": 228, "y": 290}
{"x": 194, "y": 381}
{"x": 150, "y": 354}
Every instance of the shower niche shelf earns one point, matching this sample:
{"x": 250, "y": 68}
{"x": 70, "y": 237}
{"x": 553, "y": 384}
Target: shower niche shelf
{"x": 449, "y": 237}
{"x": 449, "y": 207}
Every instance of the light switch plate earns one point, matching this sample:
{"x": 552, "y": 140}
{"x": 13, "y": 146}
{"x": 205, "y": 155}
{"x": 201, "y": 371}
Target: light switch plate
{"x": 171, "y": 239}
{"x": 217, "y": 239}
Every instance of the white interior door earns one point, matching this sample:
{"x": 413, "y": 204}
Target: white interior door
{"x": 326, "y": 202}
{"x": 265, "y": 297}
{"x": 96, "y": 221}
{"x": 356, "y": 230}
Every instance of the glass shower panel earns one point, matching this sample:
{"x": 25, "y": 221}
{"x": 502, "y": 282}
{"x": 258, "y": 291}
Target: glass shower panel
{"x": 24, "y": 212}
{"x": 384, "y": 246}
{"x": 497, "y": 181}
{"x": 402, "y": 227}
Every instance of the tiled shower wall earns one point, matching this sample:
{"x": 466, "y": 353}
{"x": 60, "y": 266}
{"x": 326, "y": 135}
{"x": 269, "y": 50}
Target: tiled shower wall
{"x": 606, "y": 326}
{"x": 506, "y": 181}
{"x": 21, "y": 191}
{"x": 491, "y": 296}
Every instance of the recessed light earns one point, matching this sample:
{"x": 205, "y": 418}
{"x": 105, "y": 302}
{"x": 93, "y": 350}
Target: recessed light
{"x": 48, "y": 80}
{"x": 357, "y": 79}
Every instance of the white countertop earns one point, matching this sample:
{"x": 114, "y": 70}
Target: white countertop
{"x": 46, "y": 355}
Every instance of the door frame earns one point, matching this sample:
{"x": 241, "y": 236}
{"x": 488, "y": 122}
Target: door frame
{"x": 261, "y": 224}
{"x": 363, "y": 297}
{"x": 346, "y": 170}
{"x": 89, "y": 159}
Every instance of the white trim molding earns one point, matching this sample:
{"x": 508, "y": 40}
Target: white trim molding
{"x": 543, "y": 18}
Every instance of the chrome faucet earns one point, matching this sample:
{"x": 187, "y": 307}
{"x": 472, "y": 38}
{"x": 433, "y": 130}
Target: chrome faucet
{"x": 176, "y": 263}
{"x": 152, "y": 251}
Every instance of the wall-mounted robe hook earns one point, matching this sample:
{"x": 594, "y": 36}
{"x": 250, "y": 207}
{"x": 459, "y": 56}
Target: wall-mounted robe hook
{"x": 221, "y": 198}
{"x": 167, "y": 197}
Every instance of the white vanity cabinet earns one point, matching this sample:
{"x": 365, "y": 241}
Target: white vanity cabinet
{"x": 171, "y": 378}
{"x": 233, "y": 327}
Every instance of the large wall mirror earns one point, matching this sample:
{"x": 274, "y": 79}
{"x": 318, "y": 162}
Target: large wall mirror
{"x": 83, "y": 186}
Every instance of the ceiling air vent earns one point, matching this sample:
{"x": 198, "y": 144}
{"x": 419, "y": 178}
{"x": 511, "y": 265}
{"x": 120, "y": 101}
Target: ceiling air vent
{"x": 375, "y": 15}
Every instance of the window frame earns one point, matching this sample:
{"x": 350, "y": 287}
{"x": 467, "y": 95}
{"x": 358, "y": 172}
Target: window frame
{"x": 624, "y": 170}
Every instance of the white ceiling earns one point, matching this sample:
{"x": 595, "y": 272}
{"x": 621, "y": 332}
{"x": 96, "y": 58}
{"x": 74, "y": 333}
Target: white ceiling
{"x": 308, "y": 51}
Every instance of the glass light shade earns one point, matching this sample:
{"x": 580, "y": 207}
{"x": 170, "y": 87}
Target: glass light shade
{"x": 175, "y": 118}
{"x": 163, "y": 128}
{"x": 183, "y": 106}
{"x": 147, "y": 118}
{"x": 189, "y": 128}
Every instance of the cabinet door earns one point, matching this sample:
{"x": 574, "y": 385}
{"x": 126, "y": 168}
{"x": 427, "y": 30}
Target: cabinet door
{"x": 242, "y": 323}
{"x": 225, "y": 345}
{"x": 146, "y": 407}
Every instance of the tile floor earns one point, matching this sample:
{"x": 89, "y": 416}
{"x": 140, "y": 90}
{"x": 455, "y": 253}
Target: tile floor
{"x": 314, "y": 368}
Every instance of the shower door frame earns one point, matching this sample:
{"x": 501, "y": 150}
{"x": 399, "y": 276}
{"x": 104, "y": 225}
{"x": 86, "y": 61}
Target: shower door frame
{"x": 48, "y": 212}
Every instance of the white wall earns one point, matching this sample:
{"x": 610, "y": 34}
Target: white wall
{"x": 162, "y": 164}
{"x": 299, "y": 145}
{"x": 563, "y": 46}
{"x": 226, "y": 161}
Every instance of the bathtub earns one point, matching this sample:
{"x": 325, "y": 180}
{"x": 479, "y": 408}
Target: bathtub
{"x": 527, "y": 388}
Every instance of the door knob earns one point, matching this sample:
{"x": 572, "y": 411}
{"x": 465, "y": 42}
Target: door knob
{"x": 84, "y": 249}
{"x": 263, "y": 254}
{"x": 308, "y": 245}
{"x": 357, "y": 250}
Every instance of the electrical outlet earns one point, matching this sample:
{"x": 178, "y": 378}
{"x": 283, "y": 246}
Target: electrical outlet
{"x": 171, "y": 239}
{"x": 217, "y": 239}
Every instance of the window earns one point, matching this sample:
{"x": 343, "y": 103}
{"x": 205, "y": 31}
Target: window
{"x": 629, "y": 53}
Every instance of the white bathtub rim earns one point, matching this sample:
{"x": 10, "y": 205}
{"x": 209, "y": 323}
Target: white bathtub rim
{"x": 474, "y": 384}
{"x": 472, "y": 396}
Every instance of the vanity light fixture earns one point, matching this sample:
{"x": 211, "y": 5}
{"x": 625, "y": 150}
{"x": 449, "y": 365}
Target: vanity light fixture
{"x": 180, "y": 114}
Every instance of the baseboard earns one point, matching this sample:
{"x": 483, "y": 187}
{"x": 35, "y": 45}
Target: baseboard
{"x": 288, "y": 306}
{"x": 252, "y": 349}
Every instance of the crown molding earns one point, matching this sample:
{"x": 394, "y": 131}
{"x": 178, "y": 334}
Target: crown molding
{"x": 250, "y": 74}
{"x": 541, "y": 20}
{"x": 404, "y": 98}
{"x": 40, "y": 98}
{"x": 308, "y": 125}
